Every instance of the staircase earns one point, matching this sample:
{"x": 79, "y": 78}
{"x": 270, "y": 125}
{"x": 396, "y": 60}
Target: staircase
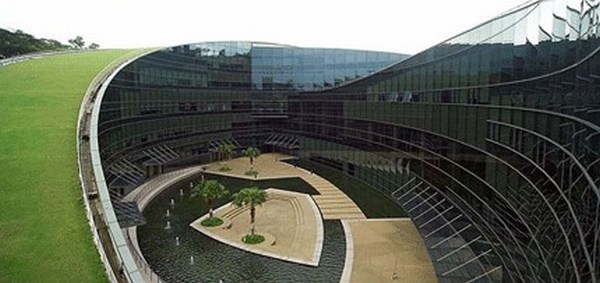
{"x": 332, "y": 202}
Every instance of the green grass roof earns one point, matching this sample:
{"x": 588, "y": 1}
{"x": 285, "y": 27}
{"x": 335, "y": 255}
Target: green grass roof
{"x": 44, "y": 234}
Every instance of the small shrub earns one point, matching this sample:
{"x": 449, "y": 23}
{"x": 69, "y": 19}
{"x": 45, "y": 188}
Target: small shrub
{"x": 251, "y": 172}
{"x": 253, "y": 239}
{"x": 212, "y": 222}
{"x": 224, "y": 167}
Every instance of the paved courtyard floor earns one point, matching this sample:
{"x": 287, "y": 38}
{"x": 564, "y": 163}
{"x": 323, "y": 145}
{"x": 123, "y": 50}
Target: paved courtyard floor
{"x": 388, "y": 250}
{"x": 290, "y": 222}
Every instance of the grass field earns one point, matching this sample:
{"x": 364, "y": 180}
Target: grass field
{"x": 44, "y": 235}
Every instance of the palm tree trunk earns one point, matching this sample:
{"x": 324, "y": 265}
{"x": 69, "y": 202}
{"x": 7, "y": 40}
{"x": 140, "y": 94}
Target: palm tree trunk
{"x": 210, "y": 210}
{"x": 252, "y": 220}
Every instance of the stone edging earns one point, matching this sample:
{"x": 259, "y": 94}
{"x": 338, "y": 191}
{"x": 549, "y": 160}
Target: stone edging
{"x": 349, "y": 252}
{"x": 320, "y": 231}
{"x": 213, "y": 172}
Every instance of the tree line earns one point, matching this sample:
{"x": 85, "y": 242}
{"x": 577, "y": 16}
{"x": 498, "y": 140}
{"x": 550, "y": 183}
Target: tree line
{"x": 18, "y": 43}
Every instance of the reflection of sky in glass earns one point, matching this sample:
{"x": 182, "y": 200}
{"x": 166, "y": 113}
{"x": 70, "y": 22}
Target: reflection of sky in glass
{"x": 524, "y": 31}
{"x": 282, "y": 67}
{"x": 227, "y": 48}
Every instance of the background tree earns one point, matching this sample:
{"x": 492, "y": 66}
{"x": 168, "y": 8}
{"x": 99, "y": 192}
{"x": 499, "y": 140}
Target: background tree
{"x": 250, "y": 197}
{"x": 251, "y": 153}
{"x": 210, "y": 190}
{"x": 18, "y": 43}
{"x": 77, "y": 42}
{"x": 94, "y": 46}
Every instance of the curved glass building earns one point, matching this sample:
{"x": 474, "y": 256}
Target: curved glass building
{"x": 490, "y": 140}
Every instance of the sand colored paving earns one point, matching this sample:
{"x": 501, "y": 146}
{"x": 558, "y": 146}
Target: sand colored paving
{"x": 332, "y": 202}
{"x": 290, "y": 222}
{"x": 387, "y": 250}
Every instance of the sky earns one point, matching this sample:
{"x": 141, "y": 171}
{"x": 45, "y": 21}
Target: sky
{"x": 403, "y": 26}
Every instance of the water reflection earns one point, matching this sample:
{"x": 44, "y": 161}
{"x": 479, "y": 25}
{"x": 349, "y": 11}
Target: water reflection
{"x": 199, "y": 258}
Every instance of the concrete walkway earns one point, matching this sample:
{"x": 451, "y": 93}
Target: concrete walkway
{"x": 385, "y": 250}
{"x": 148, "y": 190}
{"x": 332, "y": 202}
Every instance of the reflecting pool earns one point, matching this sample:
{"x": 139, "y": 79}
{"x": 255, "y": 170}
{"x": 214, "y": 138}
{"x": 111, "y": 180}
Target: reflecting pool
{"x": 199, "y": 258}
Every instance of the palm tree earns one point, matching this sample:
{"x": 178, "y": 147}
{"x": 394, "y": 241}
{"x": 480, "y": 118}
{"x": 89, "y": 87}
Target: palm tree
{"x": 210, "y": 190}
{"x": 225, "y": 150}
{"x": 251, "y": 153}
{"x": 251, "y": 197}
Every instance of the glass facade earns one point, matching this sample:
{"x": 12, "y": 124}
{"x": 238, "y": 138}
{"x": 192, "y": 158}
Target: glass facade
{"x": 178, "y": 104}
{"x": 279, "y": 67}
{"x": 490, "y": 140}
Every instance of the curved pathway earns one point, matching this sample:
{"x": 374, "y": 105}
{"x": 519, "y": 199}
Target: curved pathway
{"x": 332, "y": 202}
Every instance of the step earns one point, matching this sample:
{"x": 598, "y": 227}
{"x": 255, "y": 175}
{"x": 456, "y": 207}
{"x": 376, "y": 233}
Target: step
{"x": 332, "y": 201}
{"x": 343, "y": 216}
{"x": 340, "y": 209}
{"x": 234, "y": 212}
{"x": 327, "y": 195}
{"x": 349, "y": 215}
{"x": 343, "y": 213}
{"x": 320, "y": 183}
{"x": 331, "y": 193}
{"x": 345, "y": 205}
{"x": 328, "y": 190}
{"x": 355, "y": 213}
{"x": 329, "y": 198}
